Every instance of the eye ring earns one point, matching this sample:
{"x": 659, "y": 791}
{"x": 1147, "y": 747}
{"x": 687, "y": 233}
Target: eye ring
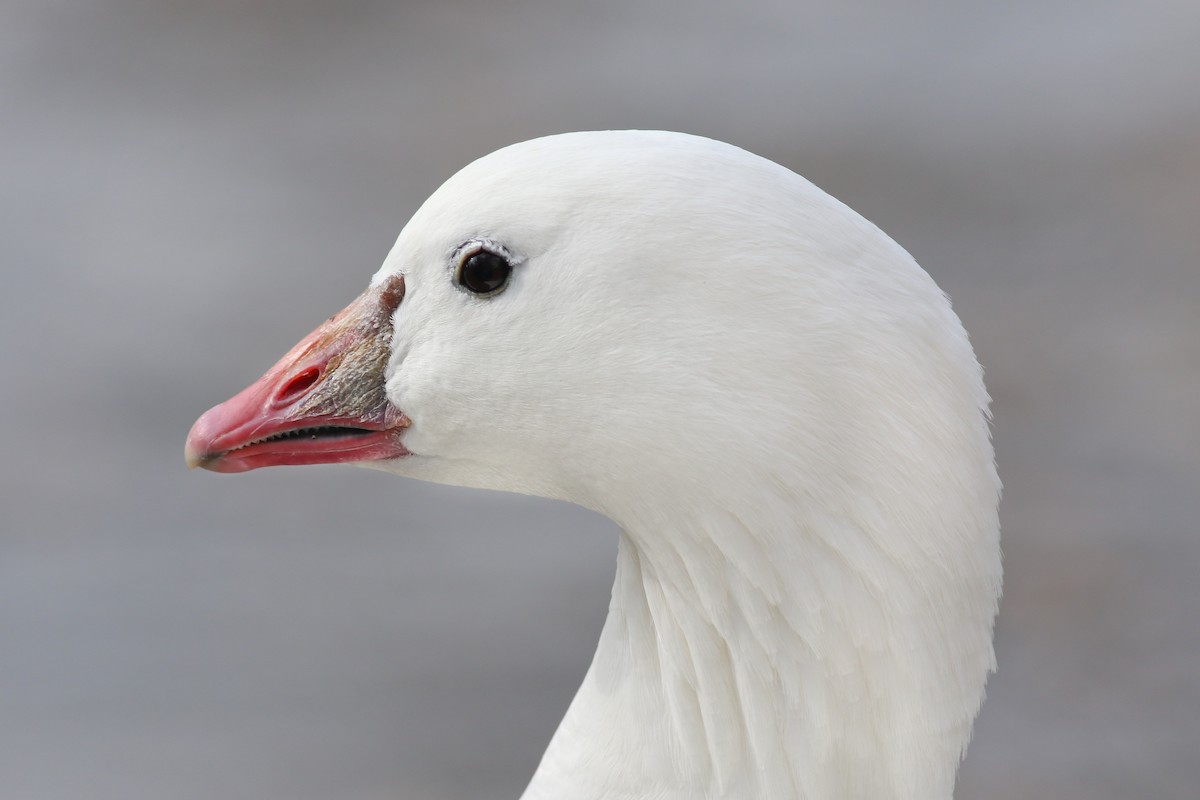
{"x": 483, "y": 271}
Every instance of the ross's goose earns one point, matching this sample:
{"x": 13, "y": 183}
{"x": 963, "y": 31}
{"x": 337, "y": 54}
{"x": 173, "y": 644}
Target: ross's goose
{"x": 772, "y": 400}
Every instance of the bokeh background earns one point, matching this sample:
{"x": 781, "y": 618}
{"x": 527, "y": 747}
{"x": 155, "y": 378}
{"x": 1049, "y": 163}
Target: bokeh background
{"x": 187, "y": 188}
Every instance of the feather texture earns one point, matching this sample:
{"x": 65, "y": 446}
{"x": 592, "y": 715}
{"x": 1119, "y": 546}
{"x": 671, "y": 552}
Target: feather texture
{"x": 784, "y": 416}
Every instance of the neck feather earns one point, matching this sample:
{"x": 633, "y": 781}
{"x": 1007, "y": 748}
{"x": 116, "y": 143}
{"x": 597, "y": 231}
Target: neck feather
{"x": 808, "y": 659}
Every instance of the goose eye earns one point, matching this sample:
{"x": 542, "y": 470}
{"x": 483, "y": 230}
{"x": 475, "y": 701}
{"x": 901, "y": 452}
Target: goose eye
{"x": 484, "y": 273}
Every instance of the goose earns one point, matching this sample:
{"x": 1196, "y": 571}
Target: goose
{"x": 769, "y": 397}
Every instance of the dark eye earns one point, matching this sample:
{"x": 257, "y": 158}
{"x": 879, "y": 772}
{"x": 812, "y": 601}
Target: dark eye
{"x": 484, "y": 273}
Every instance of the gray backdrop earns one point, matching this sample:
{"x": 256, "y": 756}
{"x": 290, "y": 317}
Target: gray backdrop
{"x": 187, "y": 188}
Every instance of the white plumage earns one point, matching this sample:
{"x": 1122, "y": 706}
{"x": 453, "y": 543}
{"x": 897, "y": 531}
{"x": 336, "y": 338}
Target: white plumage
{"x": 783, "y": 415}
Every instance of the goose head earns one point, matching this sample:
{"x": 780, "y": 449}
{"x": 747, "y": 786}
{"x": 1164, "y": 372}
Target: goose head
{"x": 767, "y": 394}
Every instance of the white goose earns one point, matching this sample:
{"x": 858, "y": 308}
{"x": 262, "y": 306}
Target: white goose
{"x": 772, "y": 400}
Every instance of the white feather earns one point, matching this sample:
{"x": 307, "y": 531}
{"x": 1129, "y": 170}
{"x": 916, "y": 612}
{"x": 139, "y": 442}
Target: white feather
{"x": 785, "y": 418}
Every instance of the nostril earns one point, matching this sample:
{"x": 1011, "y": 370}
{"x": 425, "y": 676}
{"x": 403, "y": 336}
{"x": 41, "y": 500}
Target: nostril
{"x": 297, "y": 385}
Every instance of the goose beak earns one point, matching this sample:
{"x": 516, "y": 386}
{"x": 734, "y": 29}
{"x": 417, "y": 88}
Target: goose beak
{"x": 322, "y": 403}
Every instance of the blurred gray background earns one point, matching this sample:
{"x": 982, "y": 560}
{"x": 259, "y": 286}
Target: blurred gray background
{"x": 187, "y": 188}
